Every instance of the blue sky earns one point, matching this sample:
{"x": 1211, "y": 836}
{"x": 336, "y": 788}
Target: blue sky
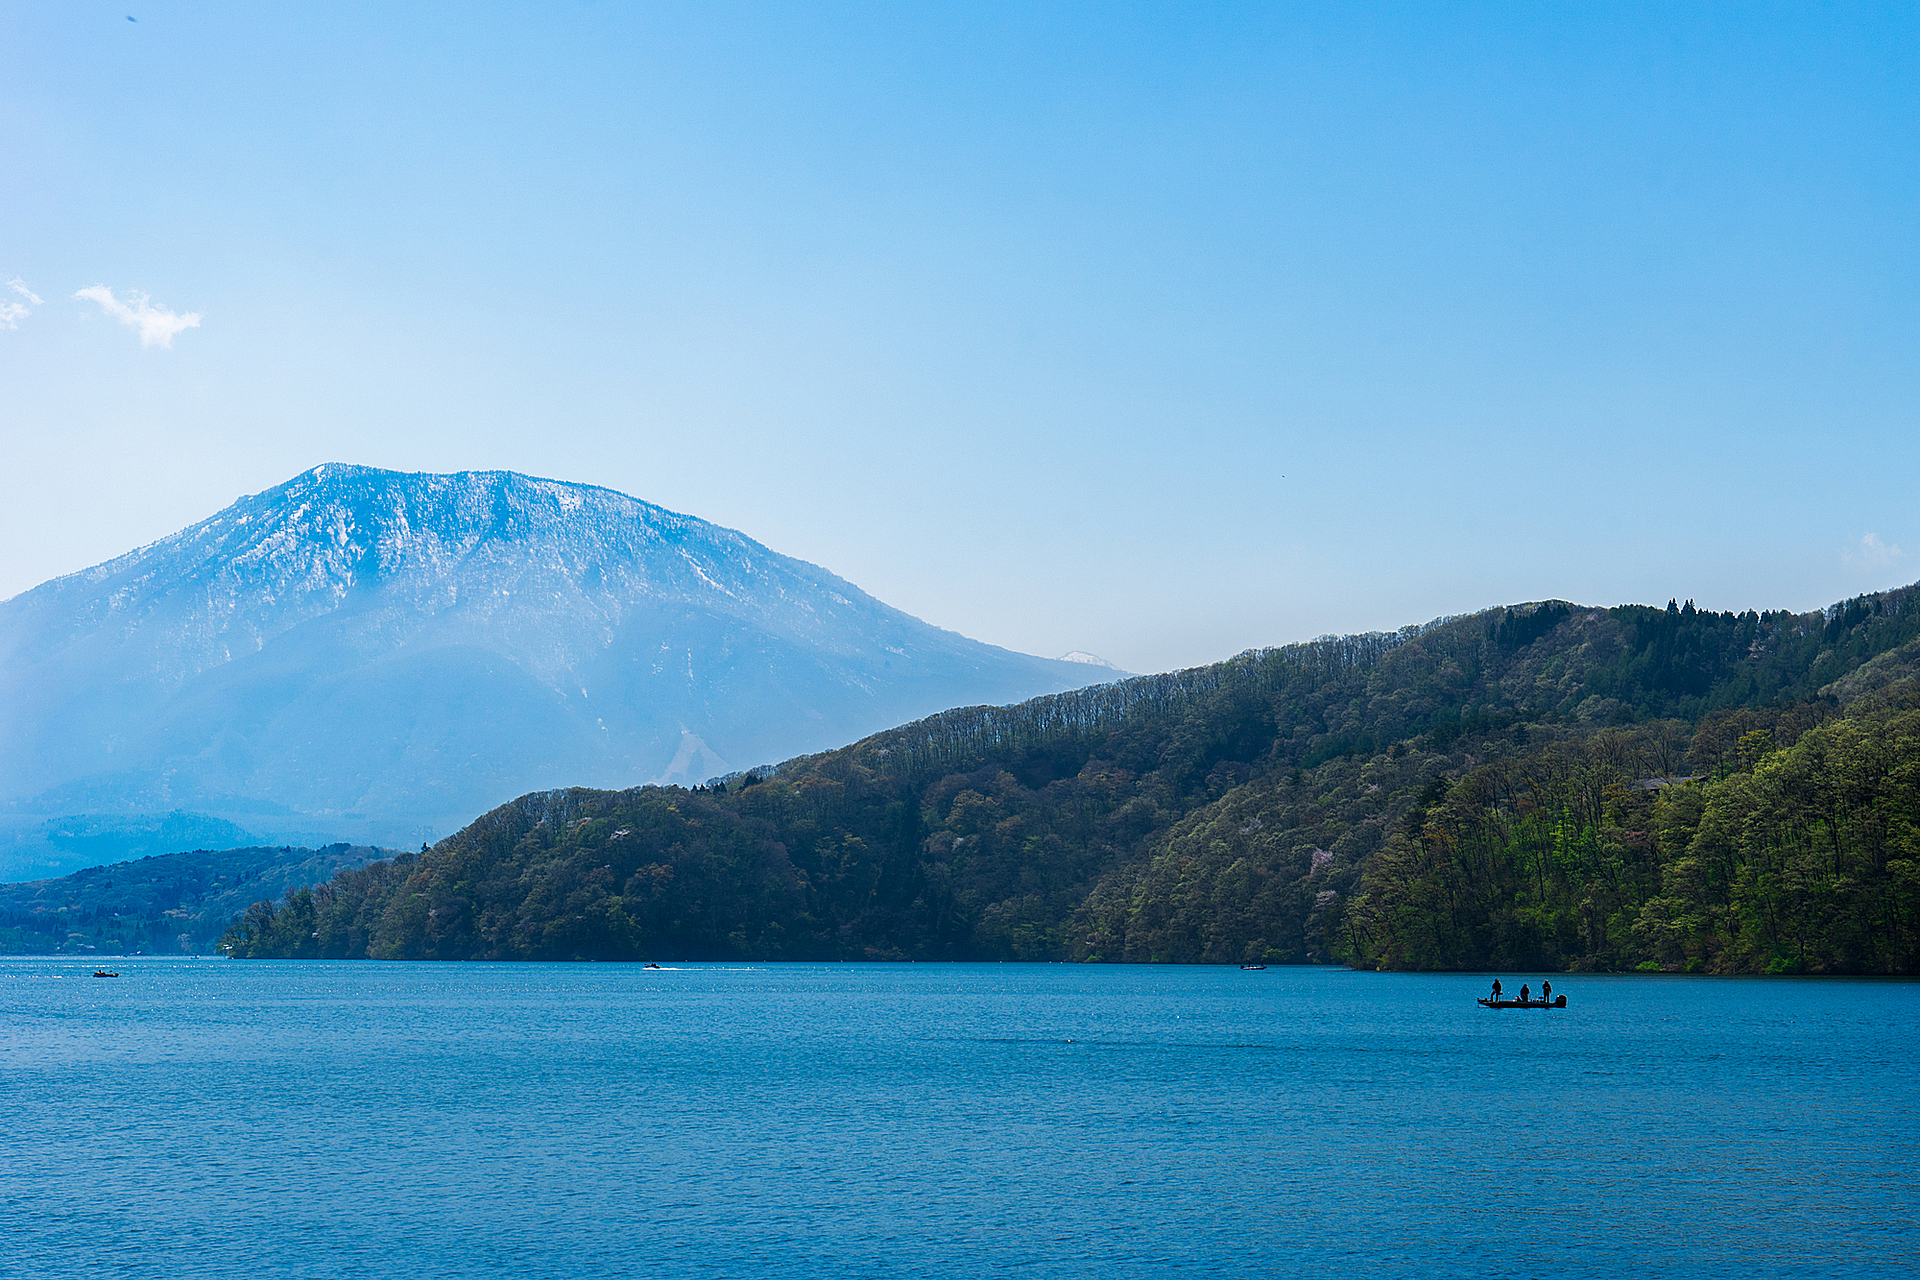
{"x": 1156, "y": 331}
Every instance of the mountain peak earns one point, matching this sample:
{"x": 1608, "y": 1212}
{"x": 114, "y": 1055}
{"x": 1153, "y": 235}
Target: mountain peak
{"x": 419, "y": 645}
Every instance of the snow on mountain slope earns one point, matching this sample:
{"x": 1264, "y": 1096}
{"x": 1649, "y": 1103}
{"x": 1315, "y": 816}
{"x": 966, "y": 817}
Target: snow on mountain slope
{"x": 416, "y": 648}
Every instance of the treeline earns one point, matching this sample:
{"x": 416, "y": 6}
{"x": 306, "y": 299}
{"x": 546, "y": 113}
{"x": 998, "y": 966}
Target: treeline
{"x": 1343, "y": 695}
{"x": 1277, "y": 807}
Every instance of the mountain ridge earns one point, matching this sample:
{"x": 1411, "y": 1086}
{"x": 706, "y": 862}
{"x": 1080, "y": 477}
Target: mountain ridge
{"x": 1529, "y": 786}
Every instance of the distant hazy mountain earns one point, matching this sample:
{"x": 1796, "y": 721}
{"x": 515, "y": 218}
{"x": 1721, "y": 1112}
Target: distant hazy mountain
{"x": 395, "y": 653}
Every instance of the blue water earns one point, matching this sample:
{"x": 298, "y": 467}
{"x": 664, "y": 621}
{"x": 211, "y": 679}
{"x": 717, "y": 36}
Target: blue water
{"x": 215, "y": 1118}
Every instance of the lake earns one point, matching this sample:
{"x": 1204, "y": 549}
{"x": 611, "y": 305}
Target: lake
{"x": 221, "y": 1118}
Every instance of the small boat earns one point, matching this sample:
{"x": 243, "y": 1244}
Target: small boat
{"x": 1251, "y": 968}
{"x": 652, "y": 965}
{"x": 102, "y": 973}
{"x": 1558, "y": 1002}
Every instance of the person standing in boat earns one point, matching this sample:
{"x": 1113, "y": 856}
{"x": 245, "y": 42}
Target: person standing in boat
{"x": 1546, "y": 990}
{"x": 1524, "y": 989}
{"x": 1496, "y": 990}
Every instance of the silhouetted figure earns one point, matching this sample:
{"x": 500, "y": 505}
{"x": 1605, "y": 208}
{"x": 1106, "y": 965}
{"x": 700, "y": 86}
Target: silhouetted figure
{"x": 1546, "y": 990}
{"x": 1496, "y": 989}
{"x": 1524, "y": 989}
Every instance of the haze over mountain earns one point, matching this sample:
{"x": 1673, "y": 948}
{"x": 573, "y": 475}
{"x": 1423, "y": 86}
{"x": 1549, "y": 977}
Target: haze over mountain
{"x": 384, "y": 655}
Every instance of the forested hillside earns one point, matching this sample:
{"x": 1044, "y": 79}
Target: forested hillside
{"x": 1500, "y": 789}
{"x": 166, "y": 904}
{"x": 1798, "y": 852}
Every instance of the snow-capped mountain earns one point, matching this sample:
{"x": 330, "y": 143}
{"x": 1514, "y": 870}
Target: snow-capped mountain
{"x": 411, "y": 648}
{"x": 1090, "y": 659}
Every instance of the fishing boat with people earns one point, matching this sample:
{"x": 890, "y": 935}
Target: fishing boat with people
{"x": 1547, "y": 999}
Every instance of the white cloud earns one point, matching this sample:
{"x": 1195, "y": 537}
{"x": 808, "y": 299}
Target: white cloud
{"x": 157, "y": 325}
{"x": 1872, "y": 553}
{"x": 11, "y": 312}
